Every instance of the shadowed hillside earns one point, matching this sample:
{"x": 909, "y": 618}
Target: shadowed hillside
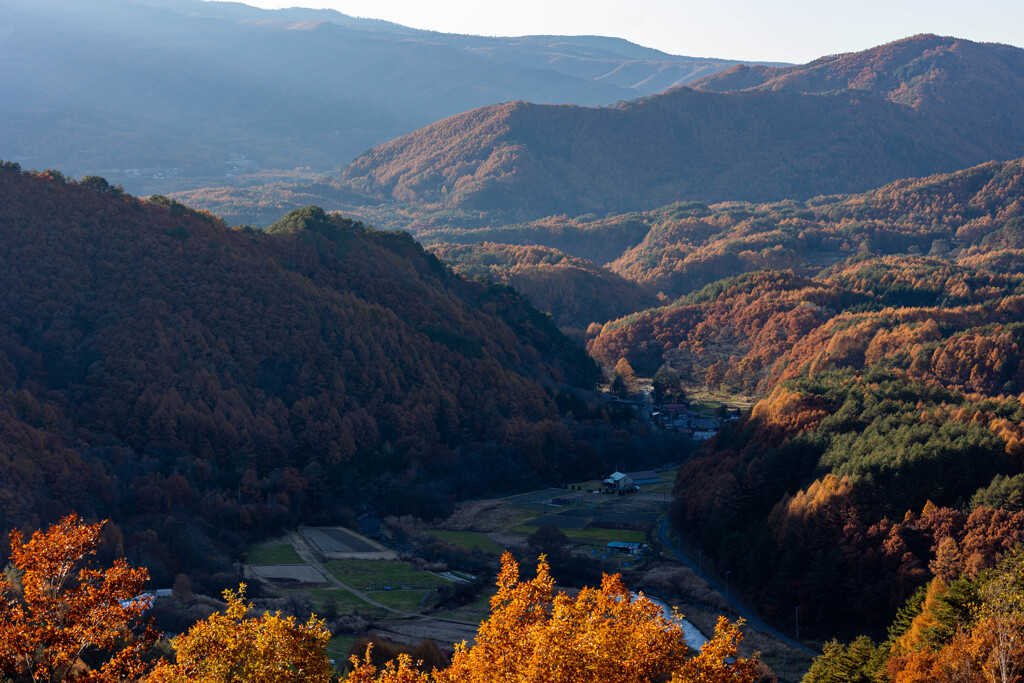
{"x": 575, "y": 291}
{"x": 156, "y": 365}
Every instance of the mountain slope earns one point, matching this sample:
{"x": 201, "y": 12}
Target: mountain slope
{"x": 532, "y": 160}
{"x": 166, "y": 94}
{"x": 574, "y": 291}
{"x": 522, "y": 161}
{"x": 699, "y": 253}
{"x": 975, "y": 88}
{"x": 155, "y": 364}
{"x": 876, "y": 412}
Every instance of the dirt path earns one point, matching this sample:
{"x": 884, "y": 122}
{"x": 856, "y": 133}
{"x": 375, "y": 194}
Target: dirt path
{"x": 309, "y": 556}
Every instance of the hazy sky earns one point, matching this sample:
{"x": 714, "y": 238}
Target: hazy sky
{"x": 782, "y": 30}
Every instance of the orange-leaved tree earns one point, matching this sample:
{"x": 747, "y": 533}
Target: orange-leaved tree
{"x": 55, "y": 609}
{"x": 603, "y": 634}
{"x": 232, "y": 647}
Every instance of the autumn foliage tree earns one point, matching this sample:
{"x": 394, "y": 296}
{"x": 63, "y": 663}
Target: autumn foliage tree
{"x": 56, "y": 609}
{"x": 969, "y": 631}
{"x": 602, "y": 634}
{"x": 229, "y": 646}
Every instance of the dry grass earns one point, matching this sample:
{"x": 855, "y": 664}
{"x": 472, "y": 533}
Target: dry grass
{"x": 685, "y": 583}
{"x": 482, "y": 515}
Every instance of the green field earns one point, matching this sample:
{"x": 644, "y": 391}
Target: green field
{"x": 338, "y": 649}
{"x": 467, "y": 539}
{"x": 375, "y": 574}
{"x": 408, "y": 601}
{"x": 345, "y": 601}
{"x": 277, "y": 551}
{"x": 603, "y": 536}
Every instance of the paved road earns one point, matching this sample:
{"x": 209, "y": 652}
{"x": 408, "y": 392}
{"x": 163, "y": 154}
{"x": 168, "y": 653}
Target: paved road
{"x": 738, "y": 606}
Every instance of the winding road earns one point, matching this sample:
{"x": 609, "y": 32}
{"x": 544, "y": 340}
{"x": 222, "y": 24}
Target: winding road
{"x": 753, "y": 620}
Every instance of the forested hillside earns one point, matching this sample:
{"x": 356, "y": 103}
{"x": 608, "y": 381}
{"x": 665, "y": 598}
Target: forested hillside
{"x": 534, "y": 160}
{"x": 966, "y": 625}
{"x": 210, "y": 384}
{"x": 887, "y": 428}
{"x": 693, "y": 250}
{"x": 575, "y": 291}
{"x": 837, "y": 125}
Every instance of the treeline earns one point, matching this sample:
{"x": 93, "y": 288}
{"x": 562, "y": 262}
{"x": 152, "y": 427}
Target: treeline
{"x": 202, "y": 385}
{"x": 966, "y": 625}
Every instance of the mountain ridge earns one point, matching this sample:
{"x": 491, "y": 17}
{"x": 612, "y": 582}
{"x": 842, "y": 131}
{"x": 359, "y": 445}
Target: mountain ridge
{"x": 163, "y": 95}
{"x": 519, "y": 161}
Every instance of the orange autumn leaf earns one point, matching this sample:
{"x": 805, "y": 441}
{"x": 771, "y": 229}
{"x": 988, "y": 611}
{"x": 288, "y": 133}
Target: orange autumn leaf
{"x": 56, "y": 608}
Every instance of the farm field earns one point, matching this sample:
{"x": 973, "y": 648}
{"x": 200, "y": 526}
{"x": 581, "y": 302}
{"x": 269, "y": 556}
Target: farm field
{"x": 382, "y": 575}
{"x": 280, "y": 551}
{"x": 289, "y": 573}
{"x": 383, "y": 593}
{"x": 473, "y": 540}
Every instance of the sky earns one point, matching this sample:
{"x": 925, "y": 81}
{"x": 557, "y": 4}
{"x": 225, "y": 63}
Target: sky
{"x": 779, "y": 30}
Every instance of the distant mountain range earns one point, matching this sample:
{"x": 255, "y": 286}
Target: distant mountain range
{"x": 167, "y": 94}
{"x": 840, "y": 124}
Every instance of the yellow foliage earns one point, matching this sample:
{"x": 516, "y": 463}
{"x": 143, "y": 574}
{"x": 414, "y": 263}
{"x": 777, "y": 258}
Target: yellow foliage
{"x": 229, "y": 647}
{"x": 603, "y": 634}
{"x": 396, "y": 671}
{"x": 913, "y": 640}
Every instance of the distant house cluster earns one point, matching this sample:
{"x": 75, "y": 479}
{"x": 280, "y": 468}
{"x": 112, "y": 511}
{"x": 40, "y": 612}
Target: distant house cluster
{"x": 678, "y": 417}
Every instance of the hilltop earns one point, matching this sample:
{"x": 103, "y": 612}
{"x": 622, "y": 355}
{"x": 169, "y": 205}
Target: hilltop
{"x": 972, "y": 88}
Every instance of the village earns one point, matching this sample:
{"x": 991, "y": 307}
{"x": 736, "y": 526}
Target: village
{"x": 699, "y": 420}
{"x": 403, "y": 580}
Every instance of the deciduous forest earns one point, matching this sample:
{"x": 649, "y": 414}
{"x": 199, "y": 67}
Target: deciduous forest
{"x": 204, "y": 386}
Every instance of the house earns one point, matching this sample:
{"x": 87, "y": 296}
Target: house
{"x": 628, "y": 548}
{"x": 644, "y": 477}
{"x": 704, "y": 424}
{"x": 618, "y": 482}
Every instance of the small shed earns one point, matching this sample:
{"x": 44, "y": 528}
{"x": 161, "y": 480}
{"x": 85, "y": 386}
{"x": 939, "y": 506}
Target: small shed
{"x": 644, "y": 477}
{"x": 619, "y": 482}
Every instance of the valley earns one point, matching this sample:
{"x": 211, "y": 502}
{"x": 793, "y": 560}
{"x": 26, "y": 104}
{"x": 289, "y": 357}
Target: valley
{"x": 399, "y": 598}
{"x": 318, "y": 331}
